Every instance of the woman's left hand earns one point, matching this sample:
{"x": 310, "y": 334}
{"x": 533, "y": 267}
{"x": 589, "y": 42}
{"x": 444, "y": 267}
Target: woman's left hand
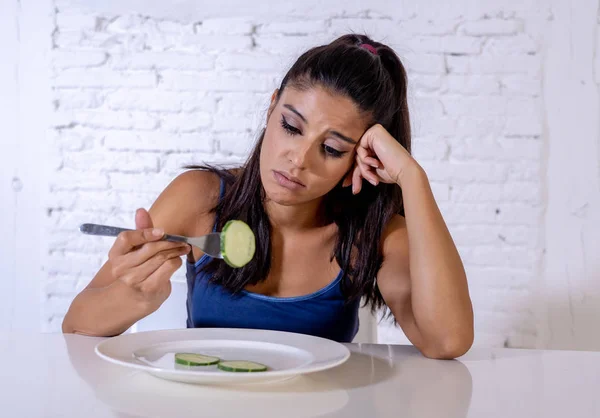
{"x": 379, "y": 158}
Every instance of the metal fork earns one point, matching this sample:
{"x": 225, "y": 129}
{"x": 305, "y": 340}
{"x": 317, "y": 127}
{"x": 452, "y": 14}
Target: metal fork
{"x": 209, "y": 244}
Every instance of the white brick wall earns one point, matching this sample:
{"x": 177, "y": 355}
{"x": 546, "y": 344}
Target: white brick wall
{"x": 137, "y": 97}
{"x": 137, "y": 94}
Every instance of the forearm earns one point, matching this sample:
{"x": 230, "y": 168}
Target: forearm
{"x": 439, "y": 293}
{"x": 105, "y": 312}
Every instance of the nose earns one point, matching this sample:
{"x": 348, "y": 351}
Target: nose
{"x": 300, "y": 155}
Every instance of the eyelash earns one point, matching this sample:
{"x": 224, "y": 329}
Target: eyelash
{"x": 290, "y": 130}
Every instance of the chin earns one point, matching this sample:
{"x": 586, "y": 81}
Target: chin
{"x": 281, "y": 196}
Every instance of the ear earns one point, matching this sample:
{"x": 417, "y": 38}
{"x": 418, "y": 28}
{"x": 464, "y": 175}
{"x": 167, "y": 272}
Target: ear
{"x": 273, "y": 103}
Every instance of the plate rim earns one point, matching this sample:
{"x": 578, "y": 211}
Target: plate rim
{"x": 215, "y": 374}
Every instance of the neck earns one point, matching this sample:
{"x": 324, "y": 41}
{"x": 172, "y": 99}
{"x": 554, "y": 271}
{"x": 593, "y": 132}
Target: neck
{"x": 296, "y": 218}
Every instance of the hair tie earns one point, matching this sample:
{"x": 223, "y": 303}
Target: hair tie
{"x": 369, "y": 48}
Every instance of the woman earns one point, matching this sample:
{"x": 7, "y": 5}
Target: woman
{"x": 325, "y": 238}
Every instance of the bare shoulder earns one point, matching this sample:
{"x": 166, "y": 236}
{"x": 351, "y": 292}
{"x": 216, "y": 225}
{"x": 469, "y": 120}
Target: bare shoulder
{"x": 184, "y": 207}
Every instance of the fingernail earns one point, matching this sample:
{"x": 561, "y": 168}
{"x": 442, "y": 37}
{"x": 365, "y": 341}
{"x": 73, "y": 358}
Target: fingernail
{"x": 157, "y": 232}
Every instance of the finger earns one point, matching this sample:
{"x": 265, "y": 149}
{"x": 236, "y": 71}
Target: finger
{"x": 161, "y": 275}
{"x": 143, "y": 271}
{"x": 367, "y": 173}
{"x": 128, "y": 240}
{"x": 150, "y": 249}
{"x": 143, "y": 219}
{"x": 363, "y": 154}
{"x": 356, "y": 180}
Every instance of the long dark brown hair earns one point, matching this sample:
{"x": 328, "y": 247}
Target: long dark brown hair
{"x": 377, "y": 84}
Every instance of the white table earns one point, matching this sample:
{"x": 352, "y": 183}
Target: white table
{"x": 55, "y": 375}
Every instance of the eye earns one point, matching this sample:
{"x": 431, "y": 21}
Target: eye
{"x": 289, "y": 129}
{"x": 332, "y": 151}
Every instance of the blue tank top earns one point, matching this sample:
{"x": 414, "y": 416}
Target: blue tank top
{"x": 323, "y": 313}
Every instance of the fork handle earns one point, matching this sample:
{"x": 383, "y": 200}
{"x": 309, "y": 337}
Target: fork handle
{"x": 113, "y": 231}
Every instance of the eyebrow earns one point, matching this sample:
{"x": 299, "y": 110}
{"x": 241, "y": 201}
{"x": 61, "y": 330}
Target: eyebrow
{"x": 335, "y": 133}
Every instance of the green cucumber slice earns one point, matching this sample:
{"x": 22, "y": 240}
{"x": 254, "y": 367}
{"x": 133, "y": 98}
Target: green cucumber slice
{"x": 241, "y": 366}
{"x": 237, "y": 243}
{"x": 192, "y": 359}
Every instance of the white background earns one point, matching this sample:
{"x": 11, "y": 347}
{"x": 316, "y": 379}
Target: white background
{"x": 101, "y": 103}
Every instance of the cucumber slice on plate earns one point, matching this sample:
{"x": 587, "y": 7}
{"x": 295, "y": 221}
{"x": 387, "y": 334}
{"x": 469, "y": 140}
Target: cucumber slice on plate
{"x": 192, "y": 359}
{"x": 241, "y": 366}
{"x": 237, "y": 243}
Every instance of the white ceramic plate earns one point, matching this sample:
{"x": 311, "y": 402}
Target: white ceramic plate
{"x": 285, "y": 354}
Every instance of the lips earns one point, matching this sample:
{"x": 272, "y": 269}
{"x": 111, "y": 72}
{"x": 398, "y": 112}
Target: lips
{"x": 288, "y": 181}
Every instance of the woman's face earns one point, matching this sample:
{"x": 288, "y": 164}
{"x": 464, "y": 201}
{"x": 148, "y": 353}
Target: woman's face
{"x": 309, "y": 144}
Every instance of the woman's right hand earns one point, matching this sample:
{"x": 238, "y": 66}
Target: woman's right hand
{"x": 142, "y": 261}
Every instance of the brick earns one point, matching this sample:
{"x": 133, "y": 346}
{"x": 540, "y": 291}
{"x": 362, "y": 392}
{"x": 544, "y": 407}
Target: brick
{"x": 127, "y": 23}
{"x": 499, "y": 149}
{"x": 443, "y": 126}
{"x": 115, "y": 43}
{"x": 423, "y": 63}
{"x": 226, "y": 121}
{"x": 76, "y": 139}
{"x": 251, "y": 62}
{"x": 159, "y": 101}
{"x": 427, "y": 107}
{"x": 158, "y": 141}
{"x": 441, "y": 191}
{"x": 475, "y": 106}
{"x": 60, "y": 262}
{"x": 111, "y": 161}
{"x": 227, "y": 26}
{"x": 516, "y": 257}
{"x": 506, "y": 213}
{"x": 375, "y": 28}
{"x": 445, "y": 44}
{"x": 75, "y": 22}
{"x": 458, "y": 173}
{"x": 479, "y": 125}
{"x": 429, "y": 149}
{"x": 73, "y": 180}
{"x": 147, "y": 60}
{"x": 139, "y": 182}
{"x": 185, "y": 122}
{"x": 429, "y": 27}
{"x": 69, "y": 99}
{"x": 236, "y": 143}
{"x": 242, "y": 103}
{"x": 523, "y": 192}
{"x": 216, "y": 43}
{"x": 426, "y": 83}
{"x": 294, "y": 27}
{"x": 169, "y": 26}
{"x": 491, "y": 27}
{"x": 217, "y": 82}
{"x": 498, "y": 277}
{"x": 78, "y": 78}
{"x": 291, "y": 45}
{"x": 495, "y": 235}
{"x": 66, "y": 39}
{"x": 111, "y": 119}
{"x": 514, "y": 45}
{"x": 485, "y": 64}
{"x": 526, "y": 171}
{"x": 60, "y": 286}
{"x": 519, "y": 85}
{"x": 78, "y": 59}
{"x": 472, "y": 84}
{"x": 524, "y": 125}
